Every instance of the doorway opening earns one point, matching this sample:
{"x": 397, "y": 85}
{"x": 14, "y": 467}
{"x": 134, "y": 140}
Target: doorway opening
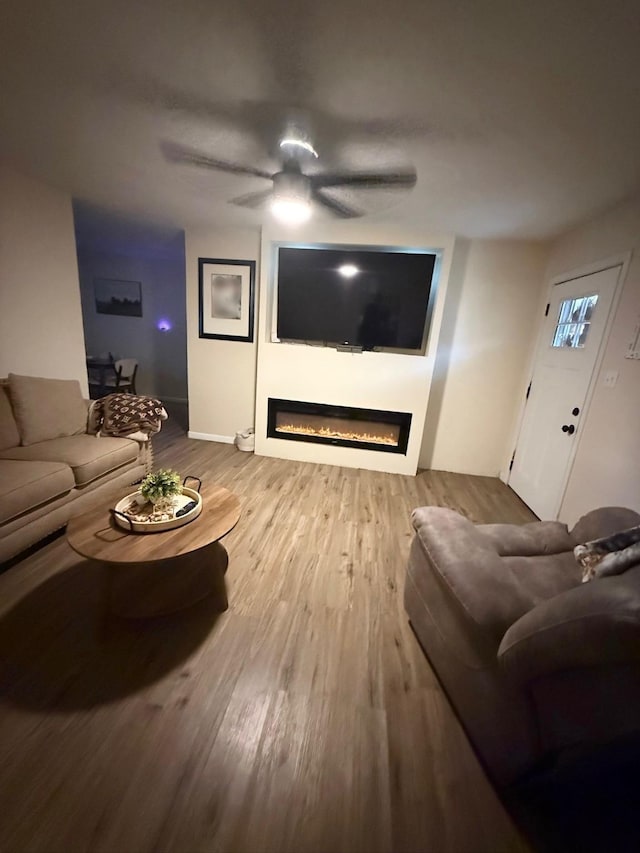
{"x": 133, "y": 291}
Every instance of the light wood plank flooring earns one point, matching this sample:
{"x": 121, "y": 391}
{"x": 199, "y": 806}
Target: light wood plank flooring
{"x": 305, "y": 718}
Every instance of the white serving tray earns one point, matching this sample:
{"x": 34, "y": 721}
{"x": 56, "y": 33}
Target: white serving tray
{"x": 122, "y": 520}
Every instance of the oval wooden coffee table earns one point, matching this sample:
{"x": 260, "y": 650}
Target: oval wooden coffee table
{"x": 158, "y": 573}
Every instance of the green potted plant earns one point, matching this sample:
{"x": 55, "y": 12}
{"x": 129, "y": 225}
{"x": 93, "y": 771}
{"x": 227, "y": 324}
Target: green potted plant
{"x": 161, "y": 488}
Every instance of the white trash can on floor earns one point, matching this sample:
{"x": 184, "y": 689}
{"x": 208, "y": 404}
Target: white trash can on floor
{"x": 246, "y": 440}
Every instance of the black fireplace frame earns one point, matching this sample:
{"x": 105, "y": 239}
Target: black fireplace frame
{"x": 298, "y": 407}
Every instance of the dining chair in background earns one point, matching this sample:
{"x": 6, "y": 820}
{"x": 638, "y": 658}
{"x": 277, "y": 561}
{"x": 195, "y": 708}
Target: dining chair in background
{"x": 124, "y": 377}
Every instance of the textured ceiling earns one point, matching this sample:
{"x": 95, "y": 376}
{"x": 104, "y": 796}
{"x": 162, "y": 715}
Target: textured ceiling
{"x": 521, "y": 118}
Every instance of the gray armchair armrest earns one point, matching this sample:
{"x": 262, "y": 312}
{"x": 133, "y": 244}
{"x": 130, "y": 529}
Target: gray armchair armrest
{"x": 603, "y": 522}
{"x": 450, "y": 539}
{"x": 591, "y": 624}
{"x": 465, "y": 561}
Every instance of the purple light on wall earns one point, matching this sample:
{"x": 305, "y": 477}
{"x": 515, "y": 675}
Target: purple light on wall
{"x": 164, "y": 325}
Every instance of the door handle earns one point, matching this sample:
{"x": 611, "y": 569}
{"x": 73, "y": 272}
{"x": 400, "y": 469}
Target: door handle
{"x": 568, "y": 428}
{"x": 575, "y": 412}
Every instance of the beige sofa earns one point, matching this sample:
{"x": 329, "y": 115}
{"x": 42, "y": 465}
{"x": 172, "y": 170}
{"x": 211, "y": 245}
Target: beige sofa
{"x": 539, "y": 666}
{"x": 50, "y": 466}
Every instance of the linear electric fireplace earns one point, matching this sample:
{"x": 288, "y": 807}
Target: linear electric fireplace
{"x": 344, "y": 426}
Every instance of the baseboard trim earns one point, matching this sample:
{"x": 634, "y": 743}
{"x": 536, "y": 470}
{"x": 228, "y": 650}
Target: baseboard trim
{"x": 208, "y": 436}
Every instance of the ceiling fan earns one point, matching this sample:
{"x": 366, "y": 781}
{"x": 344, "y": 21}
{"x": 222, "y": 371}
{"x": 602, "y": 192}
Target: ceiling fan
{"x": 293, "y": 191}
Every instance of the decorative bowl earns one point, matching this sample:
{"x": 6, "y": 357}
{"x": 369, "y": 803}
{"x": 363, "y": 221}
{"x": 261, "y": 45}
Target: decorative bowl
{"x": 129, "y": 513}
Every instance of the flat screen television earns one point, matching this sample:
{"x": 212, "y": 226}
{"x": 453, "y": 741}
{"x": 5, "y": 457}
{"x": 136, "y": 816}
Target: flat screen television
{"x": 354, "y": 297}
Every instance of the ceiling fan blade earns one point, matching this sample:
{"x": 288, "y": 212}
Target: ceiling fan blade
{"x": 336, "y": 207}
{"x": 365, "y": 180}
{"x": 252, "y": 200}
{"x": 179, "y": 154}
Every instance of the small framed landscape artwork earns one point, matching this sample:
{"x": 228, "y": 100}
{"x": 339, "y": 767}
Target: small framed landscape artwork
{"x": 226, "y": 293}
{"x": 114, "y": 296}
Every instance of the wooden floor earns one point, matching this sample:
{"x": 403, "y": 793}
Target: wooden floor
{"x": 305, "y": 718}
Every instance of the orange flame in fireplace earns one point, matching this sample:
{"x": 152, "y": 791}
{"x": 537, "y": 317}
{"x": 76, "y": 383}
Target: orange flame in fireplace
{"x": 327, "y": 432}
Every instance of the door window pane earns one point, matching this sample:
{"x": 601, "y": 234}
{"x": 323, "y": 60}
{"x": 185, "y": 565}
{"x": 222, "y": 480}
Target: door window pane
{"x": 574, "y": 320}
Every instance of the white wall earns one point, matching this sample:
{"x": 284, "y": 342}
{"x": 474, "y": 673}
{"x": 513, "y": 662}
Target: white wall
{"x": 222, "y": 374}
{"x": 320, "y": 374}
{"x": 487, "y": 336}
{"x": 40, "y": 315}
{"x": 606, "y": 469}
{"x": 161, "y": 356}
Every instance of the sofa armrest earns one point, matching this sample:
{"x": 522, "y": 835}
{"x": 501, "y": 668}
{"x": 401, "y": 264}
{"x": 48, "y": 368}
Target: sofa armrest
{"x": 468, "y": 566}
{"x": 591, "y": 624}
{"x": 603, "y": 522}
{"x": 450, "y": 538}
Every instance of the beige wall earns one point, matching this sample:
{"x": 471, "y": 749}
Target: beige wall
{"x": 375, "y": 380}
{"x": 471, "y": 403}
{"x": 606, "y": 469}
{"x": 221, "y": 374}
{"x": 40, "y": 312}
{"x": 486, "y": 341}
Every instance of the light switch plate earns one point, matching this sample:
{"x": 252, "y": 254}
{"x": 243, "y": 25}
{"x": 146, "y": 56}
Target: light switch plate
{"x": 610, "y": 378}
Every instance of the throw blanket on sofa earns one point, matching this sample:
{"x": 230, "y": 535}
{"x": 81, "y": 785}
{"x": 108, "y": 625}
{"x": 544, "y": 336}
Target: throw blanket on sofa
{"x": 122, "y": 415}
{"x": 611, "y": 555}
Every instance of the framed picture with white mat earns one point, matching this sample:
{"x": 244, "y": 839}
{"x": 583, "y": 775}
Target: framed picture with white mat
{"x": 226, "y": 299}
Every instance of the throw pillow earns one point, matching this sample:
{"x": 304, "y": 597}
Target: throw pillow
{"x": 47, "y": 408}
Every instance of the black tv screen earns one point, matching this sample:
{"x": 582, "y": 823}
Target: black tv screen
{"x": 354, "y": 297}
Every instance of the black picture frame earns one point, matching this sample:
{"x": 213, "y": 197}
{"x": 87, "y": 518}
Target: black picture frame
{"x": 234, "y": 282}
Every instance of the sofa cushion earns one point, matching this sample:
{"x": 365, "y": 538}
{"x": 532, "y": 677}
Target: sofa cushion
{"x": 9, "y": 435}
{"x": 27, "y": 485}
{"x": 528, "y": 540}
{"x": 88, "y": 456}
{"x": 47, "y": 408}
{"x": 489, "y": 590}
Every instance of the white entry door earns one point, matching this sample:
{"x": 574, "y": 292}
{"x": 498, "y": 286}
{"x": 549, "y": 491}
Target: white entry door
{"x": 571, "y": 339}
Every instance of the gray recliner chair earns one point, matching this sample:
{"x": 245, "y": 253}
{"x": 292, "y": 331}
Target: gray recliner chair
{"x": 538, "y": 665}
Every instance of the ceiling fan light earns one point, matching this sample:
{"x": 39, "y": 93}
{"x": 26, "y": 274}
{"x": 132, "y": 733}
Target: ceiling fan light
{"x": 294, "y": 144}
{"x": 291, "y": 211}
